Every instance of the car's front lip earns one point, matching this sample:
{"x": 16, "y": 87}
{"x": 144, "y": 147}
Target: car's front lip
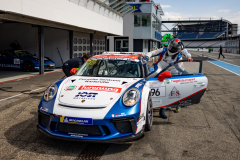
{"x": 121, "y": 139}
{"x": 99, "y": 130}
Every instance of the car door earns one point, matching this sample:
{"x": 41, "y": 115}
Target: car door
{"x": 8, "y": 59}
{"x": 185, "y": 87}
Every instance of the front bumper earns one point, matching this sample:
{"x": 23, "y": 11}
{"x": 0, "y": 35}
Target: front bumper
{"x": 122, "y": 139}
{"x": 111, "y": 130}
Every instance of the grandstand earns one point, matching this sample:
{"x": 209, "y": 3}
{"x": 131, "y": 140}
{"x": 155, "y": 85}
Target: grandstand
{"x": 207, "y": 33}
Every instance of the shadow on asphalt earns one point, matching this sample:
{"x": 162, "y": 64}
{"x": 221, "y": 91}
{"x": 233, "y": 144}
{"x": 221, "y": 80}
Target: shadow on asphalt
{"x": 25, "y": 136}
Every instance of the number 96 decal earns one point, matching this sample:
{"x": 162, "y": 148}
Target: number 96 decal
{"x": 158, "y": 92}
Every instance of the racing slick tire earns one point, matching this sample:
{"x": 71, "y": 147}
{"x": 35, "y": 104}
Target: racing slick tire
{"x": 28, "y": 66}
{"x": 149, "y": 114}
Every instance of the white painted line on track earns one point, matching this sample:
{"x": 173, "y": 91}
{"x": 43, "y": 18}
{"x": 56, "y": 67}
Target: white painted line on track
{"x": 225, "y": 68}
{"x": 20, "y": 94}
{"x": 221, "y": 66}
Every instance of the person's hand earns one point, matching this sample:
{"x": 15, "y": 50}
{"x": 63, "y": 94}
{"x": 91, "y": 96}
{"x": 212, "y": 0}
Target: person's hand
{"x": 142, "y": 55}
{"x": 190, "y": 59}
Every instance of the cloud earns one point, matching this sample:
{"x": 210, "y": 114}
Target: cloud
{"x": 165, "y": 6}
{"x": 224, "y": 10}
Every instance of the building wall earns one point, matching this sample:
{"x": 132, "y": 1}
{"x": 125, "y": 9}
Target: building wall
{"x": 128, "y": 30}
{"x": 80, "y": 14}
{"x": 53, "y": 39}
{"x": 27, "y": 36}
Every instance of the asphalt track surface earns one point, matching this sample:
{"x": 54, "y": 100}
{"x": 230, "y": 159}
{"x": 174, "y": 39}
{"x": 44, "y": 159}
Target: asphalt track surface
{"x": 208, "y": 130}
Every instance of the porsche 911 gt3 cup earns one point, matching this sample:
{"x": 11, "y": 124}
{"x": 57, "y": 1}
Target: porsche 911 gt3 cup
{"x": 111, "y": 98}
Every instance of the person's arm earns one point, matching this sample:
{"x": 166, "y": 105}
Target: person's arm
{"x": 187, "y": 54}
{"x": 153, "y": 54}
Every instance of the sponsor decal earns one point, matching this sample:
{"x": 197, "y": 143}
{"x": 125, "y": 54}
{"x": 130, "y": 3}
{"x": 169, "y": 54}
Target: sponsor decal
{"x": 184, "y": 81}
{"x": 128, "y": 84}
{"x": 16, "y": 61}
{"x": 10, "y": 65}
{"x": 118, "y": 115}
{"x": 62, "y": 95}
{"x": 44, "y": 109}
{"x": 134, "y": 79}
{"x": 167, "y": 81}
{"x": 85, "y": 95}
{"x": 157, "y": 102}
{"x": 83, "y": 101}
{"x": 78, "y": 135}
{"x": 73, "y": 80}
{"x": 70, "y": 88}
{"x": 185, "y": 102}
{"x": 138, "y": 85}
{"x": 101, "y": 80}
{"x": 111, "y": 98}
{"x": 101, "y": 88}
{"x": 85, "y": 121}
{"x": 91, "y": 62}
{"x": 174, "y": 93}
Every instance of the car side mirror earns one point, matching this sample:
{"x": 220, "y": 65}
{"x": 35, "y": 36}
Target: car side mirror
{"x": 164, "y": 75}
{"x": 73, "y": 71}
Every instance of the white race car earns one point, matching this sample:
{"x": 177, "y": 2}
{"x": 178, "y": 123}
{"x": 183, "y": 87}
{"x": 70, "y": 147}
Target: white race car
{"x": 110, "y": 98}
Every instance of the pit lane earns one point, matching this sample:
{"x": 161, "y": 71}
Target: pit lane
{"x": 208, "y": 130}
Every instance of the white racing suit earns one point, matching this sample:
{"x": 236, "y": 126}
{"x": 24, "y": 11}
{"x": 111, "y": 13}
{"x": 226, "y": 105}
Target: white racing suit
{"x": 166, "y": 60}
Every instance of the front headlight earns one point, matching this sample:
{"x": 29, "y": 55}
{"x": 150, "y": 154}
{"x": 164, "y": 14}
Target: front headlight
{"x": 50, "y": 92}
{"x": 131, "y": 97}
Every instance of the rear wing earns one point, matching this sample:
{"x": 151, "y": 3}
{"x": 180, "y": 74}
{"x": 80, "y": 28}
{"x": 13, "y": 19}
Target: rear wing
{"x": 132, "y": 53}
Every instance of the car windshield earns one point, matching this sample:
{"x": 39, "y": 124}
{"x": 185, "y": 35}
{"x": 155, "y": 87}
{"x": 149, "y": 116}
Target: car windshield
{"x": 23, "y": 54}
{"x": 110, "y": 68}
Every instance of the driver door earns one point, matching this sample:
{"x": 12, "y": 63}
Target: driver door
{"x": 186, "y": 86}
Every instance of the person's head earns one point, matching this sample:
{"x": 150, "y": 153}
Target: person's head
{"x": 165, "y": 44}
{"x": 175, "y": 46}
{"x": 16, "y": 42}
{"x": 86, "y": 57}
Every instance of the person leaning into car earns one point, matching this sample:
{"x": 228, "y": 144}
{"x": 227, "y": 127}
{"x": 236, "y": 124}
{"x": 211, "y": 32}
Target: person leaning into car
{"x": 74, "y": 63}
{"x": 15, "y": 45}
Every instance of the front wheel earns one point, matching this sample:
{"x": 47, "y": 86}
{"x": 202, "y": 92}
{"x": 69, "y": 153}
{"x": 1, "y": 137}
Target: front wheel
{"x": 149, "y": 115}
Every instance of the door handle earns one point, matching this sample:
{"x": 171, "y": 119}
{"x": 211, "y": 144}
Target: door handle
{"x": 199, "y": 84}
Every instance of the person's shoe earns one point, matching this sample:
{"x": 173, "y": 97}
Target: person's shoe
{"x": 163, "y": 116}
{"x": 176, "y": 111}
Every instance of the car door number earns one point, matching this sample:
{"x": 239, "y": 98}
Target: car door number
{"x": 158, "y": 92}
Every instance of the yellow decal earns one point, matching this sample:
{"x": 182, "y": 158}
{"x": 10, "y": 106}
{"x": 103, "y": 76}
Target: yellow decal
{"x": 92, "y": 62}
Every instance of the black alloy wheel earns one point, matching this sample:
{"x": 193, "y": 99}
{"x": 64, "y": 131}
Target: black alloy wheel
{"x": 149, "y": 114}
{"x": 28, "y": 66}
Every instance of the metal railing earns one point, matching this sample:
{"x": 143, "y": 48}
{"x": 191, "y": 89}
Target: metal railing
{"x": 116, "y": 6}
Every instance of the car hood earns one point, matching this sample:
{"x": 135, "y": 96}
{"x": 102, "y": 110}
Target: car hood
{"x": 92, "y": 92}
{"x": 35, "y": 57}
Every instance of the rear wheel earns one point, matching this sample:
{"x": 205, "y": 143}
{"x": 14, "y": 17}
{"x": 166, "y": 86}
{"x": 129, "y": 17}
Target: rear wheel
{"x": 149, "y": 115}
{"x": 27, "y": 66}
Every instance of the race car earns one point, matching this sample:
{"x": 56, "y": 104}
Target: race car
{"x": 110, "y": 98}
{"x": 23, "y": 60}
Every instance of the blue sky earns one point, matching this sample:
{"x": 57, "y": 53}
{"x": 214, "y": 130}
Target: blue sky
{"x": 226, "y": 9}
